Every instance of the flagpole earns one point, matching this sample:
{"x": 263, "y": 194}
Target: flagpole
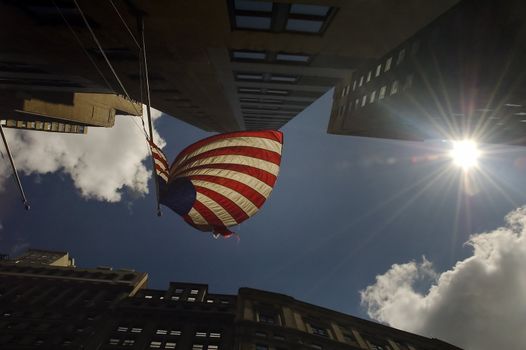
{"x": 18, "y": 182}
{"x": 148, "y": 111}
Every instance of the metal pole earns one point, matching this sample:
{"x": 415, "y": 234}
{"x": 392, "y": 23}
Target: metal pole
{"x": 148, "y": 111}
{"x": 22, "y": 194}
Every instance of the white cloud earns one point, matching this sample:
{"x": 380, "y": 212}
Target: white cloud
{"x": 101, "y": 163}
{"x": 480, "y": 303}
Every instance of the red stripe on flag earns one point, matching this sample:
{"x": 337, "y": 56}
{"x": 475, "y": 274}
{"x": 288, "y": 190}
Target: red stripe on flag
{"x": 253, "y": 152}
{"x": 227, "y": 204}
{"x": 248, "y": 192}
{"x": 161, "y": 159}
{"x": 265, "y": 134}
{"x": 207, "y": 214}
{"x": 261, "y": 175}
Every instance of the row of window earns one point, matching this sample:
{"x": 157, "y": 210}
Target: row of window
{"x": 44, "y": 126}
{"x": 263, "y": 56}
{"x": 280, "y": 17}
{"x": 172, "y": 332}
{"x": 380, "y": 68}
{"x": 267, "y": 77}
{"x": 188, "y": 299}
{"x": 274, "y": 92}
{"x": 376, "y": 96}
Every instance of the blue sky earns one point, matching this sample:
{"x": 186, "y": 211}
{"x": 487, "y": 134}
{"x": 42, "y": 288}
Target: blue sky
{"x": 343, "y": 211}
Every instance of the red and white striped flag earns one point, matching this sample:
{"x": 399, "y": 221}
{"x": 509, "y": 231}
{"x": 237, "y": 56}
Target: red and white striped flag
{"x": 223, "y": 180}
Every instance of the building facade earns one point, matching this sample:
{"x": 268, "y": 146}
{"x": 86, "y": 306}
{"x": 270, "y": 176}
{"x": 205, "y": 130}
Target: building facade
{"x": 48, "y": 303}
{"x": 221, "y": 65}
{"x": 461, "y": 76}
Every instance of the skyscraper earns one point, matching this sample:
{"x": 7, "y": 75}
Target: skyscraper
{"x": 221, "y": 65}
{"x": 48, "y": 303}
{"x": 461, "y": 76}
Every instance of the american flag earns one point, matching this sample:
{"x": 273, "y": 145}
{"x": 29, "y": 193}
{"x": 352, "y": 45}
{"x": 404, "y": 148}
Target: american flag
{"x": 222, "y": 180}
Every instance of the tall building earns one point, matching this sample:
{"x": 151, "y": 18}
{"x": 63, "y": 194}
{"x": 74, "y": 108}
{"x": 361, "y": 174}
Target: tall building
{"x": 461, "y": 76}
{"x": 48, "y": 303}
{"x": 221, "y": 65}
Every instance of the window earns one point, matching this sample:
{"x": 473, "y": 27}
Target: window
{"x": 401, "y": 56}
{"x": 278, "y": 92}
{"x": 114, "y": 341}
{"x": 122, "y": 329}
{"x": 369, "y": 76}
{"x": 382, "y": 92}
{"x": 213, "y": 347}
{"x": 261, "y": 334}
{"x": 278, "y": 17}
{"x": 175, "y": 298}
{"x": 284, "y": 78}
{"x": 319, "y": 330}
{"x": 261, "y": 347}
{"x": 249, "y": 90}
{"x": 388, "y": 64}
{"x": 136, "y": 330}
{"x": 200, "y": 334}
{"x": 354, "y": 85}
{"x": 175, "y": 332}
{"x": 147, "y": 297}
{"x": 373, "y": 95}
{"x": 128, "y": 342}
{"x": 364, "y": 100}
{"x": 316, "y": 346}
{"x": 190, "y": 299}
{"x": 408, "y": 82}
{"x": 215, "y": 335}
{"x": 249, "y": 55}
{"x": 155, "y": 344}
{"x": 266, "y": 317}
{"x": 197, "y": 347}
{"x": 378, "y": 70}
{"x": 377, "y": 347}
{"x": 293, "y": 58}
{"x": 279, "y": 337}
{"x": 194, "y": 291}
{"x": 361, "y": 81}
{"x": 179, "y": 290}
{"x": 248, "y": 76}
{"x": 170, "y": 345}
{"x": 210, "y": 301}
{"x": 394, "y": 87}
{"x": 161, "y": 331}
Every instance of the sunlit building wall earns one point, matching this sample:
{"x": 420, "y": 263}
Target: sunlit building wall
{"x": 462, "y": 76}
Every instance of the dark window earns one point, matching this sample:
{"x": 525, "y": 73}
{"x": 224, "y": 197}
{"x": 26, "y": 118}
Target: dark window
{"x": 267, "y": 317}
{"x": 279, "y": 17}
{"x": 319, "y": 330}
{"x": 245, "y": 55}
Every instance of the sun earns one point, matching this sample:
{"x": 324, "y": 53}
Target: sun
{"x": 465, "y": 154}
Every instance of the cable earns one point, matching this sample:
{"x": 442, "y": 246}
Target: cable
{"x": 83, "y": 47}
{"x": 99, "y": 46}
{"x": 125, "y": 24}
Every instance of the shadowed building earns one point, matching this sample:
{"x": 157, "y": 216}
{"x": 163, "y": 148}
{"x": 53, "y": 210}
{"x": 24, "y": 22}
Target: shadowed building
{"x": 461, "y": 76}
{"x": 221, "y": 65}
{"x": 47, "y": 303}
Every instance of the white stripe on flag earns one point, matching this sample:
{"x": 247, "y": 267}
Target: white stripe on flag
{"x": 217, "y": 209}
{"x": 255, "y": 142}
{"x": 232, "y": 159}
{"x": 244, "y": 203}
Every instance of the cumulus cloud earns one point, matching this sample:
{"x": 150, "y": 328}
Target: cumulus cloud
{"x": 480, "y": 303}
{"x": 101, "y": 164}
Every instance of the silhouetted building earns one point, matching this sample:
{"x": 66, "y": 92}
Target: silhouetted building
{"x": 462, "y": 76}
{"x": 221, "y": 65}
{"x": 47, "y": 303}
